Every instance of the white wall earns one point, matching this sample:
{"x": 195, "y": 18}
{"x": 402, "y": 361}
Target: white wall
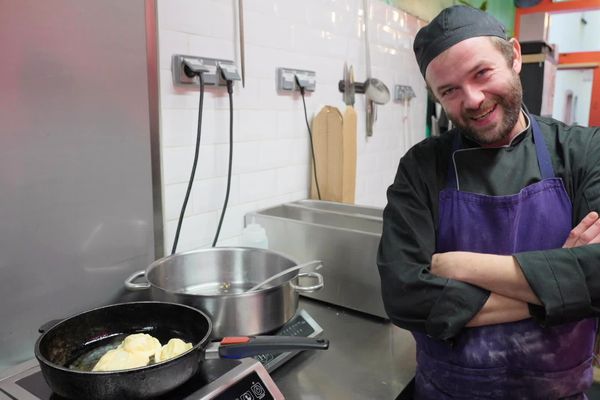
{"x": 579, "y": 83}
{"x": 271, "y": 153}
{"x": 571, "y": 35}
{"x": 426, "y": 10}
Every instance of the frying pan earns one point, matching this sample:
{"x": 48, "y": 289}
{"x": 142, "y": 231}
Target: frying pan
{"x": 68, "y": 350}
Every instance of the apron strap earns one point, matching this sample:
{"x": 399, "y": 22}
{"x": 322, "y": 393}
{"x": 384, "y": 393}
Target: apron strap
{"x": 543, "y": 156}
{"x": 451, "y": 181}
{"x": 541, "y": 150}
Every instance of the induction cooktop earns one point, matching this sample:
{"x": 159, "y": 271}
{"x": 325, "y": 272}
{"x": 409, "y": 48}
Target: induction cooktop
{"x": 246, "y": 379}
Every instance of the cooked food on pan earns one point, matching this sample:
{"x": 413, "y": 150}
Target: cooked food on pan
{"x": 120, "y": 359}
{"x": 172, "y": 349}
{"x": 141, "y": 343}
{"x": 138, "y": 350}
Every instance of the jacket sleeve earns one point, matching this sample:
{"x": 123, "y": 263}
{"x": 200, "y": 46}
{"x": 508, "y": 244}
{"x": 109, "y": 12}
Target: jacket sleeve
{"x": 567, "y": 280}
{"x": 414, "y": 298}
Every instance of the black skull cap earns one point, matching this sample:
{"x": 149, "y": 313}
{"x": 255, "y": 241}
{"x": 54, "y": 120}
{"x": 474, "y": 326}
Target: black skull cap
{"x": 452, "y": 25}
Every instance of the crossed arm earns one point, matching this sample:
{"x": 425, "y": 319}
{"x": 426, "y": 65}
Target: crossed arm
{"x": 502, "y": 276}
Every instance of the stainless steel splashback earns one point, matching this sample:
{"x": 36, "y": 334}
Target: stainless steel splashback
{"x": 78, "y": 111}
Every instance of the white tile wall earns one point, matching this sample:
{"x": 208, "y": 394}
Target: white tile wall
{"x": 271, "y": 163}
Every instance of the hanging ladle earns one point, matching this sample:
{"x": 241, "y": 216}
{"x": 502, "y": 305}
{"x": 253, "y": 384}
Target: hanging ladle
{"x": 375, "y": 91}
{"x": 286, "y": 271}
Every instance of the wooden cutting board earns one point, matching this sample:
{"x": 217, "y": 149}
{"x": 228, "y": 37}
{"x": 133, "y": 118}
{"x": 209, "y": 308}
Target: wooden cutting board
{"x": 334, "y": 141}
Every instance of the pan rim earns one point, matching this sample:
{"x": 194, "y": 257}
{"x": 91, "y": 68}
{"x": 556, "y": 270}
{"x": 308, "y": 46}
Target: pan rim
{"x": 197, "y": 347}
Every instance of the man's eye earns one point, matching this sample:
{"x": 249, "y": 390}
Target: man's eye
{"x": 482, "y": 72}
{"x": 447, "y": 92}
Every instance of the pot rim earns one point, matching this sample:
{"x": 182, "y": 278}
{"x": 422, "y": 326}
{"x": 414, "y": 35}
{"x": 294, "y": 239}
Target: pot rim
{"x": 158, "y": 262}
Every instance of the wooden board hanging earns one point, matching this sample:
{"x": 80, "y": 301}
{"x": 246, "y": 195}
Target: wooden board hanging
{"x": 334, "y": 140}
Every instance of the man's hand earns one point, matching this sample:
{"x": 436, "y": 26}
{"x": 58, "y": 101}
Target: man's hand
{"x": 586, "y": 232}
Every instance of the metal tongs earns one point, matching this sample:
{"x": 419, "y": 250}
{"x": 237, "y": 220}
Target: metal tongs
{"x": 318, "y": 264}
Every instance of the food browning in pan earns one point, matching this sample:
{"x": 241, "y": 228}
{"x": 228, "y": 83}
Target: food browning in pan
{"x": 139, "y": 350}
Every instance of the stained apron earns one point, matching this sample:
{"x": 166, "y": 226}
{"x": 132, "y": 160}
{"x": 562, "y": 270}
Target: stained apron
{"x": 516, "y": 360}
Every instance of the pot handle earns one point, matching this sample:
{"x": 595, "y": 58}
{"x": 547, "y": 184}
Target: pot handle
{"x": 248, "y": 346}
{"x": 308, "y": 289}
{"x": 131, "y": 285}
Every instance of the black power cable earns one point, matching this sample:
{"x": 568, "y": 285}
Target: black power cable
{"x": 191, "y": 182}
{"x": 230, "y": 92}
{"x": 312, "y": 147}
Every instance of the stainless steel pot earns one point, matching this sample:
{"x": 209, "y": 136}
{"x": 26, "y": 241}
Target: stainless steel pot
{"x": 215, "y": 280}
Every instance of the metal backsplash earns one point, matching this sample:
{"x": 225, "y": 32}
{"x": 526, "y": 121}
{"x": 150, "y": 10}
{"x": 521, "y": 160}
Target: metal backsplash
{"x": 78, "y": 115}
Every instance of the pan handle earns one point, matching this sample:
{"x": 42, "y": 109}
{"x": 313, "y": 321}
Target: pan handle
{"x": 49, "y": 325}
{"x": 308, "y": 289}
{"x": 131, "y": 285}
{"x": 248, "y": 346}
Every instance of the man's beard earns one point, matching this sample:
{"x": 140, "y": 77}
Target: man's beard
{"x": 511, "y": 104}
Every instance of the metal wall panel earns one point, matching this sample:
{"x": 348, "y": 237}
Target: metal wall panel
{"x": 76, "y": 194}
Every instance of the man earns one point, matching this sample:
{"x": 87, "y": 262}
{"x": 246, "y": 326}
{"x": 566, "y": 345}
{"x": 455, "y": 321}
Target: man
{"x": 478, "y": 256}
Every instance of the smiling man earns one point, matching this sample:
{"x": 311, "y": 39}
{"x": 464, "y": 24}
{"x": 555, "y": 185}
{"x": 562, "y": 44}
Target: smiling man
{"x": 489, "y": 253}
{"x": 483, "y": 97}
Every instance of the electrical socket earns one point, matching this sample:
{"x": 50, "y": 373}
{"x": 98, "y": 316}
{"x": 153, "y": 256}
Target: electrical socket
{"x": 286, "y": 81}
{"x": 211, "y": 78}
{"x": 403, "y": 93}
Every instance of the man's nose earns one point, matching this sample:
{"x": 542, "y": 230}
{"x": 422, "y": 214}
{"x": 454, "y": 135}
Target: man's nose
{"x": 473, "y": 97}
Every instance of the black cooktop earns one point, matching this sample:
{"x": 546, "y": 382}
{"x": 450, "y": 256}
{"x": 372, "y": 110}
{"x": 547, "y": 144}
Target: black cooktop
{"x": 34, "y": 386}
{"x": 209, "y": 371}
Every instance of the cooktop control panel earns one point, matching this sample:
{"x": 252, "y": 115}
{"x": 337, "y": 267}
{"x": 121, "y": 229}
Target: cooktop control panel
{"x": 302, "y": 324}
{"x": 249, "y": 387}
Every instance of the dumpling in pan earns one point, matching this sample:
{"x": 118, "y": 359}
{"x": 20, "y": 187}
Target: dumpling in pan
{"x": 172, "y": 349}
{"x": 133, "y": 352}
{"x": 141, "y": 343}
{"x": 117, "y": 359}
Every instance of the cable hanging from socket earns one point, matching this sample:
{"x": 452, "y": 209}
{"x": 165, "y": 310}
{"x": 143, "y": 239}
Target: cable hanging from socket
{"x": 228, "y": 74}
{"x": 310, "y": 136}
{"x": 191, "y": 71}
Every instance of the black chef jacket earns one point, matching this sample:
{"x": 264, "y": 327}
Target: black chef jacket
{"x": 567, "y": 281}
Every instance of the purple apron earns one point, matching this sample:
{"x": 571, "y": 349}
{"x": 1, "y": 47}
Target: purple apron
{"x": 517, "y": 360}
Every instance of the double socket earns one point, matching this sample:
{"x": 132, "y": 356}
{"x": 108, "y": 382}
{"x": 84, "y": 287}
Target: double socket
{"x": 403, "y": 93}
{"x": 217, "y": 70}
{"x": 286, "y": 79}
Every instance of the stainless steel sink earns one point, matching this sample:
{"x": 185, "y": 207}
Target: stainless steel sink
{"x": 344, "y": 236}
{"x": 351, "y": 209}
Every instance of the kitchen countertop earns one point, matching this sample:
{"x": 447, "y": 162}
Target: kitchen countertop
{"x": 368, "y": 358}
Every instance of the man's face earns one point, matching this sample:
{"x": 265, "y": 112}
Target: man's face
{"x": 479, "y": 91}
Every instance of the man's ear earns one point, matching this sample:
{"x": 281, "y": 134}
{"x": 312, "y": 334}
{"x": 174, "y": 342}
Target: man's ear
{"x": 517, "y": 60}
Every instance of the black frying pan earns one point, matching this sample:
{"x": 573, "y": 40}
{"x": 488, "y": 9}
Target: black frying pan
{"x": 67, "y": 351}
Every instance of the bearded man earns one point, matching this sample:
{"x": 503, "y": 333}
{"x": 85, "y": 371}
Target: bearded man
{"x": 489, "y": 253}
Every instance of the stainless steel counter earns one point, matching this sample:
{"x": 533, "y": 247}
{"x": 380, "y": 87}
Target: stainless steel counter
{"x": 368, "y": 358}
